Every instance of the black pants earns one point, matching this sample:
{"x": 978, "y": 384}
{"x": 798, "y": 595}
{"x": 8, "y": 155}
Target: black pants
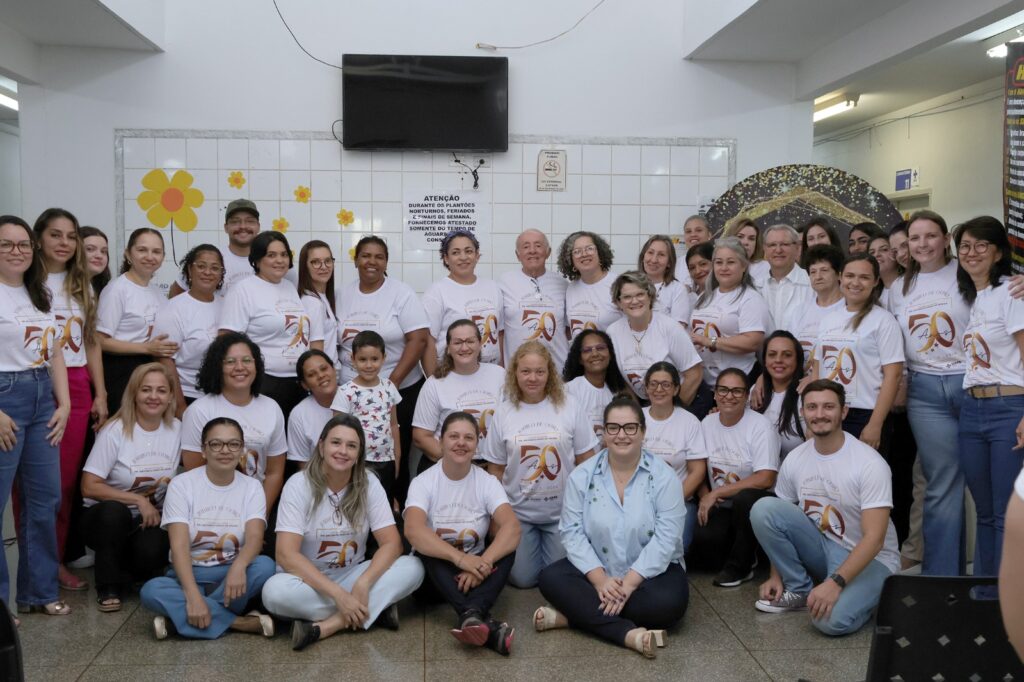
{"x": 117, "y": 369}
{"x": 269, "y": 536}
{"x": 480, "y": 599}
{"x": 385, "y": 473}
{"x": 285, "y": 391}
{"x": 727, "y": 539}
{"x": 125, "y": 552}
{"x": 658, "y": 603}
{"x": 902, "y": 454}
{"x": 404, "y": 412}
{"x": 703, "y": 401}
{"x": 858, "y": 417}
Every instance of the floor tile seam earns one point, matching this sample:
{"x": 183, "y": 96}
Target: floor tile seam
{"x": 110, "y": 639}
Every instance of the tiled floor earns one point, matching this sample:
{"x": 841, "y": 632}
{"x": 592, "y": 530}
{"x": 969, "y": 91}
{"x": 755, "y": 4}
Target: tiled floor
{"x": 721, "y": 638}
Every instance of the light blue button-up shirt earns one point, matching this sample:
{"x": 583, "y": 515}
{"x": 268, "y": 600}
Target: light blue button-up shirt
{"x": 643, "y": 533}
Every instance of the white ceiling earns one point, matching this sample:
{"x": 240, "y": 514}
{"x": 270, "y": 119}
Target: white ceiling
{"x": 789, "y": 30}
{"x": 74, "y": 23}
{"x": 955, "y": 65}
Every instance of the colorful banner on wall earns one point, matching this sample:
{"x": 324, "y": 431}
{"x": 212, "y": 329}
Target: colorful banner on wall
{"x": 1013, "y": 152}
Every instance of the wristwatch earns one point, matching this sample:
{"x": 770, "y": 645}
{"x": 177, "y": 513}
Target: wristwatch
{"x": 714, "y": 343}
{"x": 838, "y": 580}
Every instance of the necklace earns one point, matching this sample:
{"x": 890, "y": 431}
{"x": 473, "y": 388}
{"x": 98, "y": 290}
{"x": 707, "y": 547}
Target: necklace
{"x": 638, "y": 340}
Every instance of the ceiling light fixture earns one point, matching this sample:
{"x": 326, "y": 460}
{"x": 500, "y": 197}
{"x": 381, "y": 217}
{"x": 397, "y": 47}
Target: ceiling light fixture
{"x": 8, "y": 102}
{"x": 834, "y": 105}
{"x": 995, "y": 46}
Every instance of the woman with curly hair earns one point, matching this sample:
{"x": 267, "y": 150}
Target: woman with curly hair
{"x": 585, "y": 259}
{"x": 231, "y": 376}
{"x": 537, "y": 436}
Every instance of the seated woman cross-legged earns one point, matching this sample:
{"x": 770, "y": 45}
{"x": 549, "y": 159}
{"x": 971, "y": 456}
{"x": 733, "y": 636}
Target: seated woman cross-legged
{"x": 743, "y": 461}
{"x": 215, "y": 517}
{"x": 327, "y": 510}
{"x": 622, "y": 527}
{"x": 124, "y": 481}
{"x": 461, "y": 524}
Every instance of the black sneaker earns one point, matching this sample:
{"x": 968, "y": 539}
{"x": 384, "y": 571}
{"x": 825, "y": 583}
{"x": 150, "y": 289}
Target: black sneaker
{"x": 304, "y": 633}
{"x": 501, "y": 637}
{"x": 730, "y": 577}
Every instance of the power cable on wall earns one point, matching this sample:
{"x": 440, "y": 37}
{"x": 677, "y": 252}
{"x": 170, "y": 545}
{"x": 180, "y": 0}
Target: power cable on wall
{"x": 488, "y": 46}
{"x": 292, "y": 34}
{"x": 925, "y": 113}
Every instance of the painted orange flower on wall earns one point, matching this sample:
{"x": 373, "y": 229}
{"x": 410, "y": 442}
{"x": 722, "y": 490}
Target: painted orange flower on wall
{"x": 345, "y": 217}
{"x": 166, "y": 199}
{"x": 280, "y": 225}
{"x": 236, "y": 179}
{"x": 302, "y": 194}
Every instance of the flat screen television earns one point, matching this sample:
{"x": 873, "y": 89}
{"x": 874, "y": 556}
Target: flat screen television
{"x": 424, "y": 102}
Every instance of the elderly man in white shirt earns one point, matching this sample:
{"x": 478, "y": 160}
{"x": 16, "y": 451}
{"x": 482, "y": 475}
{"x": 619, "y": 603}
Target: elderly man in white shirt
{"x": 786, "y": 288}
{"x": 533, "y": 300}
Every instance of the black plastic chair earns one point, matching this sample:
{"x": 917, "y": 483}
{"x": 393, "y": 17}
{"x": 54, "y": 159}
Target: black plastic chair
{"x": 941, "y": 629}
{"x": 11, "y": 666}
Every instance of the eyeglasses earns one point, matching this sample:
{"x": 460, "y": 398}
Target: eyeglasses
{"x": 7, "y": 246}
{"x": 232, "y": 446}
{"x": 629, "y": 298}
{"x": 630, "y": 429}
{"x": 779, "y": 245}
{"x": 596, "y": 348}
{"x": 204, "y": 268}
{"x": 660, "y": 385}
{"x": 458, "y": 343}
{"x": 590, "y": 248}
{"x": 980, "y": 248}
{"x": 735, "y": 392}
{"x": 231, "y": 362}
{"x": 318, "y": 263}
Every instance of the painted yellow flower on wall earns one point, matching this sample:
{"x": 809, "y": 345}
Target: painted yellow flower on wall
{"x": 236, "y": 179}
{"x": 302, "y": 194}
{"x": 345, "y": 217}
{"x": 166, "y": 199}
{"x": 352, "y": 254}
{"x": 280, "y": 225}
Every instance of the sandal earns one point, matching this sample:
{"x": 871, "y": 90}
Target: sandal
{"x": 71, "y": 582}
{"x": 108, "y": 602}
{"x": 646, "y": 642}
{"x": 54, "y": 608}
{"x": 546, "y": 618}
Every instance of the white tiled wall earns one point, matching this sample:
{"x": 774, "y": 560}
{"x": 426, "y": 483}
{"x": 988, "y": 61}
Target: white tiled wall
{"x": 623, "y": 191}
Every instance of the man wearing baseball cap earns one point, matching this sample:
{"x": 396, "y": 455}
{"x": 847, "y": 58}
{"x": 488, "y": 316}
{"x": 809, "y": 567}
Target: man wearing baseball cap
{"x": 242, "y": 224}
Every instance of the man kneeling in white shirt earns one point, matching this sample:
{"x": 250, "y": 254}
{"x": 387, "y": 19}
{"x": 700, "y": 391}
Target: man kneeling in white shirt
{"x": 829, "y": 524}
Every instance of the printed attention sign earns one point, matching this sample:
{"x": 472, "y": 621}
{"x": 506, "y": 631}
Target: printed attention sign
{"x": 551, "y": 170}
{"x": 431, "y": 214}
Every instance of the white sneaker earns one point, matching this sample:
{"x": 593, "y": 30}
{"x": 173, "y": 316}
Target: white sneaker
{"x": 160, "y": 627}
{"x": 87, "y": 560}
{"x": 789, "y": 601}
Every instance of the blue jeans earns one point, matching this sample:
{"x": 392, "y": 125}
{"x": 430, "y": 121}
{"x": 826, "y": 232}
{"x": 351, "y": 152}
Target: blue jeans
{"x": 933, "y": 408}
{"x": 990, "y": 465}
{"x": 165, "y": 596}
{"x": 803, "y": 556}
{"x": 34, "y": 467}
{"x": 540, "y": 545}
